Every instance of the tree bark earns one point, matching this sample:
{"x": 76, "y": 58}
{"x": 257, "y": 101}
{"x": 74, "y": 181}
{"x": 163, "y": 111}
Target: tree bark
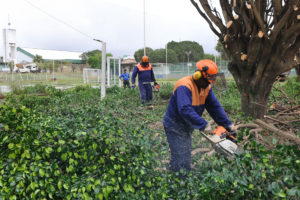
{"x": 298, "y": 72}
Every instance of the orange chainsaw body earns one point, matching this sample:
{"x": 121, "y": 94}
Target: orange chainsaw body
{"x": 221, "y": 131}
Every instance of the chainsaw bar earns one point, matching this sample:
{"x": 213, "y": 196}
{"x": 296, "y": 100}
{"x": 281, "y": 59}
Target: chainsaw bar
{"x": 222, "y": 145}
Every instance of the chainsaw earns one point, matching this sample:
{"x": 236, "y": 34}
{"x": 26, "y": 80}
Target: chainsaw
{"x": 223, "y": 141}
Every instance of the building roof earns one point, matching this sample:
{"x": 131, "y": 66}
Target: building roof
{"x": 71, "y": 56}
{"x": 128, "y": 60}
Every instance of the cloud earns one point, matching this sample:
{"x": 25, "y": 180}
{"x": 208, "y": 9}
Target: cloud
{"x": 118, "y": 22}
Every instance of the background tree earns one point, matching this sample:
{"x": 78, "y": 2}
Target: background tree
{"x": 262, "y": 40}
{"x": 220, "y": 49}
{"x": 209, "y": 56}
{"x": 140, "y": 53}
{"x": 38, "y": 60}
{"x": 94, "y": 58}
{"x": 159, "y": 56}
{"x": 180, "y": 48}
{"x": 84, "y": 57}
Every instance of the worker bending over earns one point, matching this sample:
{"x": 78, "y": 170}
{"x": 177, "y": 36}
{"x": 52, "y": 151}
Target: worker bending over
{"x": 191, "y": 95}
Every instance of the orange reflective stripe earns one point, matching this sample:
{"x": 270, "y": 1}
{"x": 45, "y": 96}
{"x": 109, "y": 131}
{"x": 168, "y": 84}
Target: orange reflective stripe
{"x": 197, "y": 98}
{"x": 139, "y": 66}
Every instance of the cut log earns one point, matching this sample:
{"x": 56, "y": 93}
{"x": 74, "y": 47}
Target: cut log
{"x": 236, "y": 17}
{"x": 249, "y": 6}
{"x": 246, "y": 126}
{"x": 285, "y": 134}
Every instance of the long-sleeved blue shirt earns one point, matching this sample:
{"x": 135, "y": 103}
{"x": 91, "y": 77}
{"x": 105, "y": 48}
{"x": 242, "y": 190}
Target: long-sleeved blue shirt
{"x": 186, "y": 107}
{"x": 146, "y": 74}
{"x": 125, "y": 76}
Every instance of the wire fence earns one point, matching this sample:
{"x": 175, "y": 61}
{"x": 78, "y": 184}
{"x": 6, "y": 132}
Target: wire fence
{"x": 163, "y": 72}
{"x": 178, "y": 70}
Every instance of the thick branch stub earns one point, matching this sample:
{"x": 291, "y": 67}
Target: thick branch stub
{"x": 225, "y": 38}
{"x": 229, "y": 24}
{"x": 244, "y": 57}
{"x": 260, "y": 34}
{"x": 298, "y": 17}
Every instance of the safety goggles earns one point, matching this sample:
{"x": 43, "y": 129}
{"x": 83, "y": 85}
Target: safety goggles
{"x": 212, "y": 78}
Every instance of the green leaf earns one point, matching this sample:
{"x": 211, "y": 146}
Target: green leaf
{"x": 292, "y": 191}
{"x": 11, "y": 145}
{"x": 41, "y": 172}
{"x": 64, "y": 156}
{"x": 5, "y": 138}
{"x": 274, "y": 141}
{"x": 282, "y": 194}
{"x": 251, "y": 186}
{"x": 59, "y": 184}
{"x": 48, "y": 150}
{"x": 66, "y": 186}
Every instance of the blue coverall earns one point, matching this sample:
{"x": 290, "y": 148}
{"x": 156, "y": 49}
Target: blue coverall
{"x": 145, "y": 77}
{"x": 126, "y": 77}
{"x": 183, "y": 115}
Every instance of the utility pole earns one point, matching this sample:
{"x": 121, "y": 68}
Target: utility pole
{"x": 188, "y": 53}
{"x": 103, "y": 65}
{"x": 144, "y": 30}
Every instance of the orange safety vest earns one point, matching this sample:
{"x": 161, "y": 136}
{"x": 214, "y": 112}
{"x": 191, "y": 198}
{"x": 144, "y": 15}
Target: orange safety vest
{"x": 198, "y": 98}
{"x": 141, "y": 68}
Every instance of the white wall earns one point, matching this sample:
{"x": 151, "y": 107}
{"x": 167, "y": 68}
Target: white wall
{"x": 23, "y": 57}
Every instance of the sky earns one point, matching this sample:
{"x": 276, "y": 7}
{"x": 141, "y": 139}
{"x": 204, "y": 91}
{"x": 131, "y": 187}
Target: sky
{"x": 71, "y": 25}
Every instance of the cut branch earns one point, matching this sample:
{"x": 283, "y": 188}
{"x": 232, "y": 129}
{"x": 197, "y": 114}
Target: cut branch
{"x": 257, "y": 16}
{"x": 217, "y": 21}
{"x": 285, "y": 134}
{"x": 221, "y": 27}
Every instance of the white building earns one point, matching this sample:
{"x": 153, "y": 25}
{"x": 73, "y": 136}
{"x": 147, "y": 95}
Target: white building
{"x": 28, "y": 54}
{"x": 8, "y": 45}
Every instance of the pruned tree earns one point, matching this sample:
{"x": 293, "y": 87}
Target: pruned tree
{"x": 262, "y": 40}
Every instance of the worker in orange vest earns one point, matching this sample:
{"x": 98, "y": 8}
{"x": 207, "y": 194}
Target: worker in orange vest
{"x": 191, "y": 95}
{"x": 145, "y": 76}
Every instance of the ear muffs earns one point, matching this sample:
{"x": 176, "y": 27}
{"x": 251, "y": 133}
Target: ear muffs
{"x": 197, "y": 75}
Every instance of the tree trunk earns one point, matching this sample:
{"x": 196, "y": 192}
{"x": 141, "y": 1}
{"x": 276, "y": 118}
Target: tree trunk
{"x": 254, "y": 95}
{"x": 298, "y": 72}
{"x": 254, "y": 103}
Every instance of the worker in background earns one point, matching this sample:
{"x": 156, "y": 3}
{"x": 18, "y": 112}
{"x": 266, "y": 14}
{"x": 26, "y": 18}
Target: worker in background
{"x": 191, "y": 95}
{"x": 125, "y": 78}
{"x": 145, "y": 76}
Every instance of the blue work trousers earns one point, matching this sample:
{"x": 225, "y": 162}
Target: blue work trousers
{"x": 145, "y": 92}
{"x": 180, "y": 143}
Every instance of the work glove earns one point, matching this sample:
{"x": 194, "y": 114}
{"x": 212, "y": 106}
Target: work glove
{"x": 207, "y": 128}
{"x": 232, "y": 130}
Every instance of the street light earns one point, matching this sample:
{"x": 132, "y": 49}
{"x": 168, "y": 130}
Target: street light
{"x": 188, "y": 53}
{"x": 103, "y": 68}
{"x": 167, "y": 55}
